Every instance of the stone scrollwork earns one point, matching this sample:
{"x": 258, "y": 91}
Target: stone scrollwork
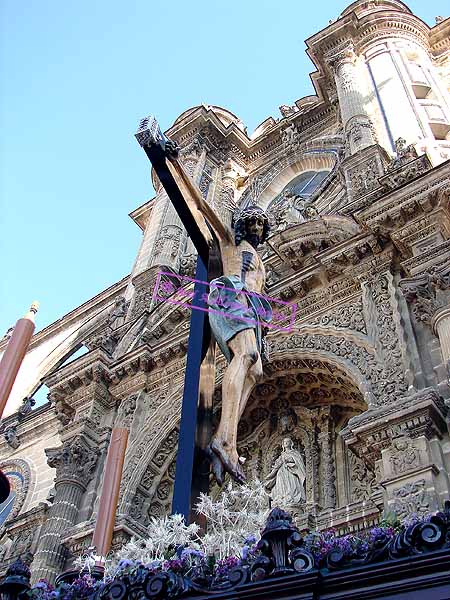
{"x": 380, "y": 301}
{"x": 348, "y": 316}
{"x": 187, "y": 265}
{"x": 169, "y": 240}
{"x": 364, "y": 178}
{"x": 366, "y": 364}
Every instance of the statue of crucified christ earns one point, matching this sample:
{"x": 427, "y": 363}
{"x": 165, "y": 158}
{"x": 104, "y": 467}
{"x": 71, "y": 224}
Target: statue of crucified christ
{"x": 237, "y": 311}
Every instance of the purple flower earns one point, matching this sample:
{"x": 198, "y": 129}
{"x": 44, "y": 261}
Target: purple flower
{"x": 225, "y": 565}
{"x": 175, "y": 565}
{"x": 187, "y": 553}
{"x": 125, "y": 562}
{"x": 250, "y": 540}
{"x": 42, "y": 585}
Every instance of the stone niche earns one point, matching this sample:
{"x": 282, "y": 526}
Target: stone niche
{"x": 309, "y": 401}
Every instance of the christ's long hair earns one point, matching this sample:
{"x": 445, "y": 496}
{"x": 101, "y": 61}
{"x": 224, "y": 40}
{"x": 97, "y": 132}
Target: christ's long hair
{"x": 240, "y": 224}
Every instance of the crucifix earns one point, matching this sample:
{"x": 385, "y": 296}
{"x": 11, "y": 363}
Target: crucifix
{"x": 236, "y": 313}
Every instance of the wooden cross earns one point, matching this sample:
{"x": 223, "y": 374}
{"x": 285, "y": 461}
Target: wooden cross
{"x": 192, "y": 466}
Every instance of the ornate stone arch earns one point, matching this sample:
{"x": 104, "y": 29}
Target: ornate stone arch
{"x": 19, "y": 473}
{"x": 161, "y": 425}
{"x": 270, "y": 182}
{"x": 355, "y": 355}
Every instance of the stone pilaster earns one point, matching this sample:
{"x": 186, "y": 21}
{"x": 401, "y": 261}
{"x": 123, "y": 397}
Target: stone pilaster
{"x": 402, "y": 443}
{"x": 410, "y": 476}
{"x": 428, "y": 296}
{"x": 144, "y": 285}
{"x": 440, "y": 324}
{"x": 75, "y": 463}
{"x": 225, "y": 205}
{"x": 357, "y": 125}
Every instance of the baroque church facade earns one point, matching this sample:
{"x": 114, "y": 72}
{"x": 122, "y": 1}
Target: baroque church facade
{"x": 356, "y": 181}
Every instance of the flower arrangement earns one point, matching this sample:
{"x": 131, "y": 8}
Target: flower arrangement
{"x": 176, "y": 551}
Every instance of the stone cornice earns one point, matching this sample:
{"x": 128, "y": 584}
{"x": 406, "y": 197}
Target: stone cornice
{"x": 249, "y": 151}
{"x": 24, "y": 520}
{"x": 423, "y": 413}
{"x": 91, "y": 366}
{"x": 440, "y": 255}
{"x": 440, "y": 38}
{"x": 363, "y": 32}
{"x": 415, "y": 192}
{"x": 141, "y": 214}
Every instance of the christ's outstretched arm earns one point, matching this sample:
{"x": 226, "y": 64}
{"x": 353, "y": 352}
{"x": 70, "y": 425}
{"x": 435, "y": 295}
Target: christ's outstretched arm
{"x": 196, "y": 202}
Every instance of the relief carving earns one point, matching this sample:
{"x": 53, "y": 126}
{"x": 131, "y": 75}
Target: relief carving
{"x": 362, "y": 479}
{"x": 411, "y": 498}
{"x": 126, "y": 411}
{"x": 404, "y": 455}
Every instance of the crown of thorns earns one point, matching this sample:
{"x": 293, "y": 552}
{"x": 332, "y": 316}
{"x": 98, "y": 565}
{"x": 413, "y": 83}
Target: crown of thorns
{"x": 240, "y": 220}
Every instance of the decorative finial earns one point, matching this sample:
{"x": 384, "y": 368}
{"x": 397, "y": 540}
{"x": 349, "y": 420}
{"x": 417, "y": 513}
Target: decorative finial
{"x": 32, "y": 311}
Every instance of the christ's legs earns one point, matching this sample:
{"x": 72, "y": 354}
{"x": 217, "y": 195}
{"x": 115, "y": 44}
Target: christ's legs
{"x": 244, "y": 370}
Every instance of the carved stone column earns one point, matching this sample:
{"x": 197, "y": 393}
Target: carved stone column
{"x": 74, "y": 462}
{"x": 357, "y": 125}
{"x": 440, "y": 324}
{"x": 428, "y": 296}
{"x": 326, "y": 439}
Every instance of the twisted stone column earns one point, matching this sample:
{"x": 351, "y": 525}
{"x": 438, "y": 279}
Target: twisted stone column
{"x": 357, "y": 125}
{"x": 328, "y": 471}
{"x": 74, "y": 463}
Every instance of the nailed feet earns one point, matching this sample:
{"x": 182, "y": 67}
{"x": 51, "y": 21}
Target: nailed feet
{"x": 224, "y": 461}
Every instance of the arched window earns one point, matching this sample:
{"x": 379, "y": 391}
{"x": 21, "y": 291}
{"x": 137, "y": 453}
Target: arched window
{"x": 306, "y": 183}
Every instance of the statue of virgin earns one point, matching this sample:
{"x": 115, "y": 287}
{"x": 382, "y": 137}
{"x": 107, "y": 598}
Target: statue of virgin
{"x": 286, "y": 481}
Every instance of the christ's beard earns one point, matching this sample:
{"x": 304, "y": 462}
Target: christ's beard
{"x": 253, "y": 239}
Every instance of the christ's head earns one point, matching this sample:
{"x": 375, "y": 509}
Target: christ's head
{"x": 251, "y": 224}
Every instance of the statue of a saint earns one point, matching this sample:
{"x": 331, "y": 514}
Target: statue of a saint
{"x": 286, "y": 481}
{"x": 118, "y": 313}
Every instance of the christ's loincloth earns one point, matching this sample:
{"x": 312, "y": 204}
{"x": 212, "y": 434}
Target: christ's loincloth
{"x": 232, "y": 309}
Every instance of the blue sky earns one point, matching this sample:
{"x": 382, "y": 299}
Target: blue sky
{"x": 76, "y": 77}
